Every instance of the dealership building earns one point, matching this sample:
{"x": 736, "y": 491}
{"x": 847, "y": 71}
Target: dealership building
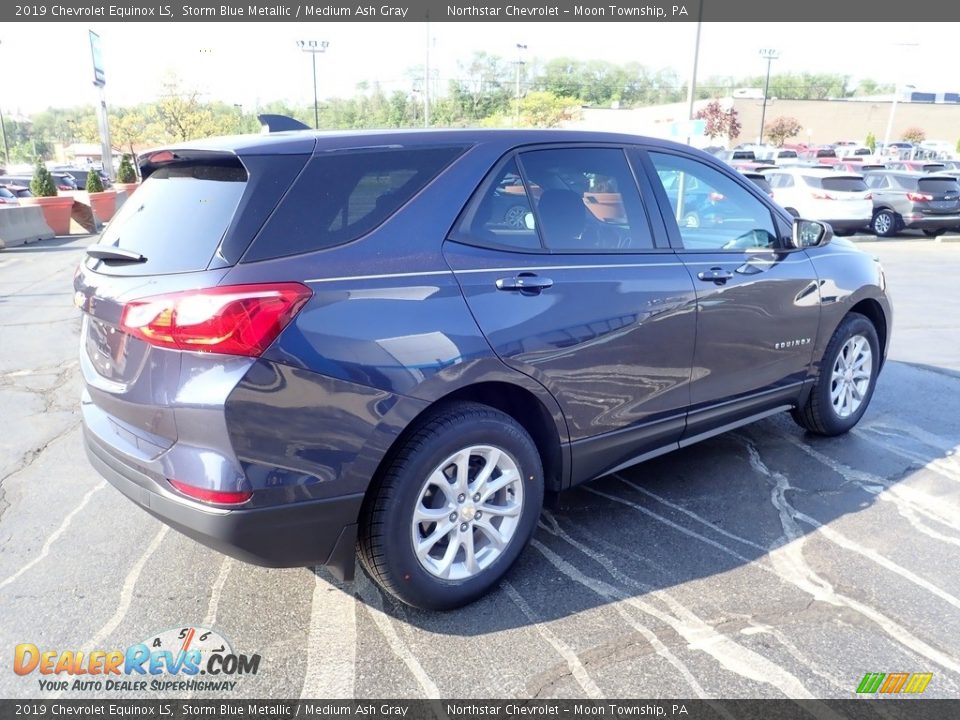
{"x": 822, "y": 121}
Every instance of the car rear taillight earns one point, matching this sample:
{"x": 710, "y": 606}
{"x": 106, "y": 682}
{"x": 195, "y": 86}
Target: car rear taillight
{"x": 230, "y": 320}
{"x": 214, "y": 497}
{"x": 868, "y": 196}
{"x": 919, "y": 197}
{"x": 822, "y": 196}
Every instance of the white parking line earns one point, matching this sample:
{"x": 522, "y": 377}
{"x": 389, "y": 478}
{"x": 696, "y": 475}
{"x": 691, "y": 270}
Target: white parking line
{"x": 373, "y": 602}
{"x": 789, "y": 566}
{"x": 331, "y": 644}
{"x": 699, "y": 635}
{"x": 126, "y": 592}
{"x": 55, "y": 535}
{"x": 946, "y": 466}
{"x": 909, "y": 502}
{"x": 789, "y": 515}
{"x": 213, "y": 606}
{"x": 576, "y": 668}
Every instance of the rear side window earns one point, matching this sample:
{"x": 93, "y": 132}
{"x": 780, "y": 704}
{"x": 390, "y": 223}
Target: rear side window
{"x": 938, "y": 185}
{"x": 341, "y": 196}
{"x": 844, "y": 184}
{"x": 179, "y": 215}
{"x": 502, "y": 216}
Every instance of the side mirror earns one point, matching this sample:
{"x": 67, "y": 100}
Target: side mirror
{"x": 810, "y": 233}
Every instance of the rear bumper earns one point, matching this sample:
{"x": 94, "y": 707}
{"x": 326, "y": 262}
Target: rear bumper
{"x": 315, "y": 532}
{"x": 931, "y": 222}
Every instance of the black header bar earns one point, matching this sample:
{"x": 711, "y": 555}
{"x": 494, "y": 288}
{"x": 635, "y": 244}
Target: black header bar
{"x": 172, "y": 709}
{"x": 731, "y": 11}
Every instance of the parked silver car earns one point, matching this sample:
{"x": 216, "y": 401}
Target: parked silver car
{"x": 909, "y": 199}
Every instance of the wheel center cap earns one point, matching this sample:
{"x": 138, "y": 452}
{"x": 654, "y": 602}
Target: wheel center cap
{"x": 467, "y": 513}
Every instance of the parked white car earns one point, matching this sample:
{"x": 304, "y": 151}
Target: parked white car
{"x": 839, "y": 198}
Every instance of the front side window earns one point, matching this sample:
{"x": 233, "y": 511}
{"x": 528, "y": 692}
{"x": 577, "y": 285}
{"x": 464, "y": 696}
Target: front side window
{"x": 713, "y": 211}
{"x": 586, "y": 200}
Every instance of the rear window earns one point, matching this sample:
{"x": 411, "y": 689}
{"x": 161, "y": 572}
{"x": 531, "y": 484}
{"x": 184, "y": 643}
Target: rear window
{"x": 938, "y": 185}
{"x": 178, "y": 216}
{"x": 761, "y": 182}
{"x": 743, "y": 155}
{"x": 843, "y": 184}
{"x": 826, "y": 153}
{"x": 787, "y": 154}
{"x": 931, "y": 167}
{"x": 341, "y": 196}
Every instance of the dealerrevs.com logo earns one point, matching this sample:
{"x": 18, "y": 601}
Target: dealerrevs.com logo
{"x": 180, "y": 659}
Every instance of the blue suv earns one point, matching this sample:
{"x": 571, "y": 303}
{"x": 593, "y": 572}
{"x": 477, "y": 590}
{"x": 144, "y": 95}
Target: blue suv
{"x": 300, "y": 344}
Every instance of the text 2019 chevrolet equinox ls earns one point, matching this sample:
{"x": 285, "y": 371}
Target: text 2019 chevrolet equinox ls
{"x": 298, "y": 343}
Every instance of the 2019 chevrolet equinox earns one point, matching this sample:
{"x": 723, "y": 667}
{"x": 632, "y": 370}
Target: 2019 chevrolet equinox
{"x": 299, "y": 343}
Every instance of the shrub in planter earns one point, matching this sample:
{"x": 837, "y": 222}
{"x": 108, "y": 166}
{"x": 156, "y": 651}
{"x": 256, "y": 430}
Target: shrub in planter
{"x": 126, "y": 176}
{"x": 94, "y": 183}
{"x": 102, "y": 202}
{"x": 42, "y": 185}
{"x": 56, "y": 208}
{"x": 126, "y": 173}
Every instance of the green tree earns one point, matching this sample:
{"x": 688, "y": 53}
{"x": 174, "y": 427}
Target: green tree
{"x": 780, "y": 130}
{"x": 94, "y": 183}
{"x": 543, "y": 109}
{"x": 41, "y": 184}
{"x": 183, "y": 115}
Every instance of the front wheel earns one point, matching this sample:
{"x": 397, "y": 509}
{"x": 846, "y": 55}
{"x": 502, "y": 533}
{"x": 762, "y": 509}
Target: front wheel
{"x": 454, "y": 510}
{"x": 848, "y": 375}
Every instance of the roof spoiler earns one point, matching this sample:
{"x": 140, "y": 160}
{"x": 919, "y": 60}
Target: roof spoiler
{"x": 279, "y": 123}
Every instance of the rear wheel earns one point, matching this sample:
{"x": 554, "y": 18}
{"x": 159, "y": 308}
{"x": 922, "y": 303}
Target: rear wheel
{"x": 455, "y": 509}
{"x": 885, "y": 223}
{"x": 933, "y": 233}
{"x": 848, "y": 373}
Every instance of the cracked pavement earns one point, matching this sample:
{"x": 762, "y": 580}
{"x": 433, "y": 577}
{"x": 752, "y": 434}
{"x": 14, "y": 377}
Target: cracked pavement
{"x": 762, "y": 563}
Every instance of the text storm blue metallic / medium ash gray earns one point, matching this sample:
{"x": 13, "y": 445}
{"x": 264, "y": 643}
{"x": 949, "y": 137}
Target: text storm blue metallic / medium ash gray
{"x": 297, "y": 344}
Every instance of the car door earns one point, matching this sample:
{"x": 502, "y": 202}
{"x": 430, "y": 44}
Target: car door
{"x": 758, "y": 301}
{"x": 573, "y": 282}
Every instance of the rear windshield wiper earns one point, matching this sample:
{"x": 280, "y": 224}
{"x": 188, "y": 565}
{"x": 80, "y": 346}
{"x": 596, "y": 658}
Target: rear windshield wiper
{"x": 104, "y": 252}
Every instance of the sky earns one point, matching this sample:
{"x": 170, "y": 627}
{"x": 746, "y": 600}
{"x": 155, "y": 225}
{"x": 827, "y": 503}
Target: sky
{"x": 250, "y": 63}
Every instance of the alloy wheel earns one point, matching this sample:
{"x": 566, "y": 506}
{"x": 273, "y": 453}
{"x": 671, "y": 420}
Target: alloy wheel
{"x": 467, "y": 512}
{"x": 851, "y": 375}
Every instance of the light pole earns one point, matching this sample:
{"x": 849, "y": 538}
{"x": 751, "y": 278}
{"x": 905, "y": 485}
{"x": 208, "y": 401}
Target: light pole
{"x": 692, "y": 85}
{"x": 314, "y": 47}
{"x": 768, "y": 54}
{"x": 893, "y": 106}
{"x": 516, "y": 102}
{"x": 3, "y": 130}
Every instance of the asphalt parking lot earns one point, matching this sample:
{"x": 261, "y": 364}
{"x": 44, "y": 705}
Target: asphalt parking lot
{"x": 762, "y": 563}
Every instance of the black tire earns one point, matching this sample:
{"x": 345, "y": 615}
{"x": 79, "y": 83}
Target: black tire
{"x": 885, "y": 223}
{"x": 843, "y": 233}
{"x": 934, "y": 233}
{"x": 818, "y": 414}
{"x": 386, "y": 528}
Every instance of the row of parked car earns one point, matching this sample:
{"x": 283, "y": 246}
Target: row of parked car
{"x": 856, "y": 193}
{"x": 66, "y": 179}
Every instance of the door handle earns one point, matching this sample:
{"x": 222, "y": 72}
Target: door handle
{"x": 716, "y": 274}
{"x": 527, "y": 283}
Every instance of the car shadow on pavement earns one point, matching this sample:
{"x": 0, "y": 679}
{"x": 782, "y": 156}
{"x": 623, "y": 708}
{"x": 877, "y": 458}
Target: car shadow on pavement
{"x": 58, "y": 244}
{"x": 651, "y": 533}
